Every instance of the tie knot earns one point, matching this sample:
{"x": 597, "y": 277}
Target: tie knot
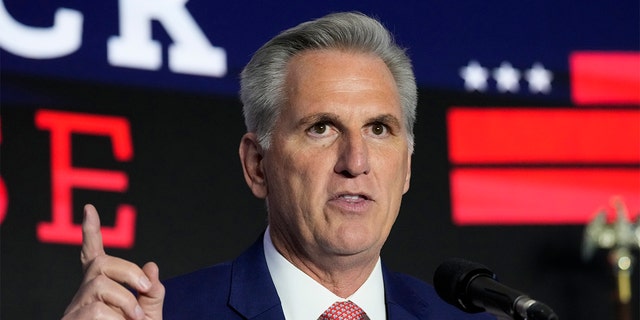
{"x": 344, "y": 310}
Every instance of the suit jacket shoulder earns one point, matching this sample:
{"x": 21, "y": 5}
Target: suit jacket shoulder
{"x": 410, "y": 298}
{"x": 241, "y": 289}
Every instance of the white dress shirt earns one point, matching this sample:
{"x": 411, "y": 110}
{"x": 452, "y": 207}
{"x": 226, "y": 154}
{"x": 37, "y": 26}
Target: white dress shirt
{"x": 304, "y": 298}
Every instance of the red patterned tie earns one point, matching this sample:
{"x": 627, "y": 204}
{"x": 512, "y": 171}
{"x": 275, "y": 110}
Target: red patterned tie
{"x": 344, "y": 310}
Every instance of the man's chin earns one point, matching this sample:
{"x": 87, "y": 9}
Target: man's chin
{"x": 355, "y": 245}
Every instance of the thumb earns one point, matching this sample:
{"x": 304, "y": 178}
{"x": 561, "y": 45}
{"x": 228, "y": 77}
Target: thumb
{"x": 152, "y": 299}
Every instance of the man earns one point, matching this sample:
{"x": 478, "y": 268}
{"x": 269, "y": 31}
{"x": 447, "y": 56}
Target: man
{"x": 329, "y": 107}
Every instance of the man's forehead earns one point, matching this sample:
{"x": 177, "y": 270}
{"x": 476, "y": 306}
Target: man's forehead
{"x": 325, "y": 59}
{"x": 333, "y": 76}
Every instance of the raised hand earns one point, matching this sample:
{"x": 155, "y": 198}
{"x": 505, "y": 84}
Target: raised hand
{"x": 104, "y": 292}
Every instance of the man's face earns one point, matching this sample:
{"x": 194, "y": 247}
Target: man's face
{"x": 339, "y": 163}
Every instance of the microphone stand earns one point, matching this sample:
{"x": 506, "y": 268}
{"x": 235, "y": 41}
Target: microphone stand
{"x": 620, "y": 237}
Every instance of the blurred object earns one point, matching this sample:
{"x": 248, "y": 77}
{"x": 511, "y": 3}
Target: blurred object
{"x": 620, "y": 237}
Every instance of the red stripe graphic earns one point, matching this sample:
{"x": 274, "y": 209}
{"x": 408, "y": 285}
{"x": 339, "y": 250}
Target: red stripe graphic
{"x": 511, "y": 136}
{"x": 508, "y": 137}
{"x": 539, "y": 196}
{"x": 605, "y": 77}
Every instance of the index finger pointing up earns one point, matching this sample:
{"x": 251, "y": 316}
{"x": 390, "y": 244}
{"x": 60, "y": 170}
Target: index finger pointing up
{"x": 91, "y": 236}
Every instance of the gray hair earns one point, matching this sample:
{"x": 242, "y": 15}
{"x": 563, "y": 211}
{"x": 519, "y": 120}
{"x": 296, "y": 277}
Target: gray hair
{"x": 263, "y": 79}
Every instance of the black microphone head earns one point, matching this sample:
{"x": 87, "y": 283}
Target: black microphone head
{"x": 452, "y": 279}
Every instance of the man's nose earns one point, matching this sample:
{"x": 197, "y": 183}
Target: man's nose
{"x": 353, "y": 157}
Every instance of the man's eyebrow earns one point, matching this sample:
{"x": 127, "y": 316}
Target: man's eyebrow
{"x": 318, "y": 118}
{"x": 388, "y": 119}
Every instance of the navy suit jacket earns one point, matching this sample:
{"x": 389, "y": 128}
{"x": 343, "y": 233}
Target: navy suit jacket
{"x": 243, "y": 289}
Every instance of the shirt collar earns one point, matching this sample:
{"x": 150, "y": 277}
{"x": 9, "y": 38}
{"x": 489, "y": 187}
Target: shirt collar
{"x": 304, "y": 298}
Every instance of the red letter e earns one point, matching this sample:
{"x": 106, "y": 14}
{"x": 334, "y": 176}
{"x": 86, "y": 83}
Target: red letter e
{"x": 64, "y": 177}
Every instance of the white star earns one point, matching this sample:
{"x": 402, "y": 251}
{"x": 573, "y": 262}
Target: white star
{"x": 539, "y": 78}
{"x": 475, "y": 76}
{"x": 507, "y": 78}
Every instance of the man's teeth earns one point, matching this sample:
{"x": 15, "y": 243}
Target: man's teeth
{"x": 351, "y": 197}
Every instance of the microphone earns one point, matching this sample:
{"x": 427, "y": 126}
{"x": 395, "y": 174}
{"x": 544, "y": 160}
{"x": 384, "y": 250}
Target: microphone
{"x": 473, "y": 288}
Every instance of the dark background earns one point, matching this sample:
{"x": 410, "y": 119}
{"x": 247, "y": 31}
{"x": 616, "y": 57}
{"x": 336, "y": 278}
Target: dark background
{"x": 185, "y": 180}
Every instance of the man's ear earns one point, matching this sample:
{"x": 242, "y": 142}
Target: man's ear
{"x": 251, "y": 161}
{"x": 407, "y": 178}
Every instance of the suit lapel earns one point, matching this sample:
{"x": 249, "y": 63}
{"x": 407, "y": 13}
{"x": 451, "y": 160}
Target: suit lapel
{"x": 402, "y": 301}
{"x": 252, "y": 291}
{"x": 254, "y": 296}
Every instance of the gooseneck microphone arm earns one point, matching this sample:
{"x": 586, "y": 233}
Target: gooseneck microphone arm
{"x": 473, "y": 288}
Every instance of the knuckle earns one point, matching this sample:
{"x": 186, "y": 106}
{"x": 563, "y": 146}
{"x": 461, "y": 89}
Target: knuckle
{"x": 99, "y": 310}
{"x": 95, "y": 265}
{"x": 100, "y": 261}
{"x": 98, "y": 283}
{"x": 161, "y": 289}
{"x": 101, "y": 280}
{"x": 94, "y": 310}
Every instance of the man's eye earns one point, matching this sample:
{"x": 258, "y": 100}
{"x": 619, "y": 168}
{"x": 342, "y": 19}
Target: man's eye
{"x": 319, "y": 128}
{"x": 378, "y": 129}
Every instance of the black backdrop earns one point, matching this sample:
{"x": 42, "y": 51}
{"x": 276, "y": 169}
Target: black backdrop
{"x": 184, "y": 178}
{"x": 195, "y": 210}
